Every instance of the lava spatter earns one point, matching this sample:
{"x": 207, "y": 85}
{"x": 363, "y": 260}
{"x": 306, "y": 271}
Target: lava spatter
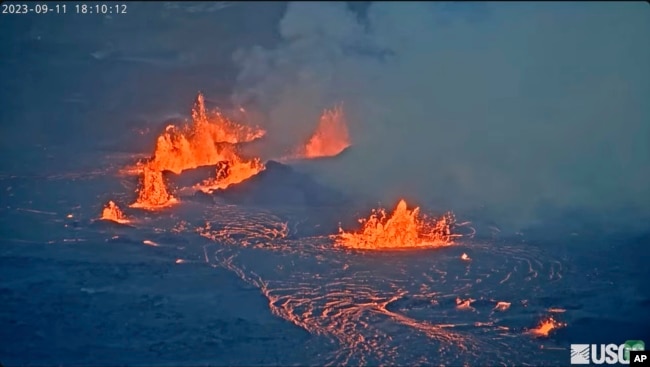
{"x": 330, "y": 138}
{"x": 153, "y": 193}
{"x": 545, "y": 327}
{"x": 403, "y": 229}
{"x": 231, "y": 173}
{"x": 113, "y": 213}
{"x": 209, "y": 139}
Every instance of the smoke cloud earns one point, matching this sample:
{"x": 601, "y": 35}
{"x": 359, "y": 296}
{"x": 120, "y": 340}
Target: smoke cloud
{"x": 502, "y": 107}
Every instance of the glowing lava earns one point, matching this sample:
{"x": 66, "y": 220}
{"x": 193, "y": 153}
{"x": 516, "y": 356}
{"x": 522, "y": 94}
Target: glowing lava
{"x": 152, "y": 193}
{"x": 331, "y": 136}
{"x": 404, "y": 229}
{"x": 231, "y": 173}
{"x": 545, "y": 327}
{"x": 207, "y": 141}
{"x": 210, "y": 139}
{"x": 113, "y": 213}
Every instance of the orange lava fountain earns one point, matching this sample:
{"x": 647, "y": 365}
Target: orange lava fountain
{"x": 404, "y": 229}
{"x": 207, "y": 141}
{"x": 331, "y": 136}
{"x": 210, "y": 139}
{"x": 152, "y": 193}
{"x": 113, "y": 213}
{"x": 545, "y": 327}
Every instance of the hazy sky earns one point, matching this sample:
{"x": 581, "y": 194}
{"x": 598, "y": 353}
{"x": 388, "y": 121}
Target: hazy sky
{"x": 503, "y": 105}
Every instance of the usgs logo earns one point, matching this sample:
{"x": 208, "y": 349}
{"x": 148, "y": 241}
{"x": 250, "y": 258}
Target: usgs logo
{"x": 604, "y": 353}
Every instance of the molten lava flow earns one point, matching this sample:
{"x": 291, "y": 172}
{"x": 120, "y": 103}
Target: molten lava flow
{"x": 232, "y": 172}
{"x": 404, "y": 229}
{"x": 152, "y": 193}
{"x": 112, "y": 212}
{"x": 331, "y": 136}
{"x": 546, "y": 326}
{"x": 206, "y": 141}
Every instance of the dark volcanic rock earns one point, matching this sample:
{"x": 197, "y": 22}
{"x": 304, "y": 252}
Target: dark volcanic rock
{"x": 280, "y": 185}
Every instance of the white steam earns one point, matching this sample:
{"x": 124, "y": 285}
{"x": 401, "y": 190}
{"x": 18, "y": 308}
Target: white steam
{"x": 493, "y": 105}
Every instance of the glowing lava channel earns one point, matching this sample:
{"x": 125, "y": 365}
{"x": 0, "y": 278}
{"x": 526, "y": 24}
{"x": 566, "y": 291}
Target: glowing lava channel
{"x": 402, "y": 230}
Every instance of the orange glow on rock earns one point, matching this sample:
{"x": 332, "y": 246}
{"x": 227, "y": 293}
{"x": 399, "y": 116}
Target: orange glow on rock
{"x": 113, "y": 213}
{"x": 402, "y": 230}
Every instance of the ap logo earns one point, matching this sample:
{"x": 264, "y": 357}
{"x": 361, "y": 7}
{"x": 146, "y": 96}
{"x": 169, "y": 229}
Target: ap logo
{"x": 633, "y": 345}
{"x": 580, "y": 354}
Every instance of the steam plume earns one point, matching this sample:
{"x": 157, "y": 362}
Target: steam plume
{"x": 502, "y": 107}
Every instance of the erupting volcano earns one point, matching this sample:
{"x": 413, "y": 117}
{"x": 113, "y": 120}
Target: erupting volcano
{"x": 331, "y": 136}
{"x": 272, "y": 219}
{"x": 403, "y": 229}
{"x": 113, "y": 213}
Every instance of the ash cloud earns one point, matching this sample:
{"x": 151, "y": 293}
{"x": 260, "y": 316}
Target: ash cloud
{"x": 499, "y": 107}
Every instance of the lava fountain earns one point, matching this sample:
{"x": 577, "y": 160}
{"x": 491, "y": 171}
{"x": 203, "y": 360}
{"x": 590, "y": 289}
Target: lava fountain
{"x": 210, "y": 139}
{"x": 403, "y": 229}
{"x": 113, "y": 213}
{"x": 330, "y": 138}
{"x": 152, "y": 193}
{"x": 207, "y": 141}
